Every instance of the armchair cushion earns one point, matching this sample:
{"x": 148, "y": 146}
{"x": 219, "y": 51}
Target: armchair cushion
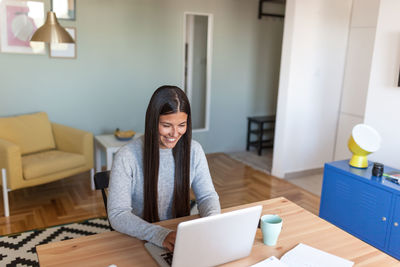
{"x": 32, "y": 132}
{"x": 48, "y": 162}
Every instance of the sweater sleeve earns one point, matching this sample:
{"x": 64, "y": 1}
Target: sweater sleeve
{"x": 119, "y": 204}
{"x": 203, "y": 188}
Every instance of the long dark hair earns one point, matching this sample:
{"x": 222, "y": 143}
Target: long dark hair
{"x": 166, "y": 100}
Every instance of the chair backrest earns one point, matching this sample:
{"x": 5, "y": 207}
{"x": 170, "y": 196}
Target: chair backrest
{"x": 31, "y": 132}
{"x": 101, "y": 183}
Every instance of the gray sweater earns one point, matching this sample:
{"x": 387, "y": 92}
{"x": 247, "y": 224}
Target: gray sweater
{"x": 125, "y": 192}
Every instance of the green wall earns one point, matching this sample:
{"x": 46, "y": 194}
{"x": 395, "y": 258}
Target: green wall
{"x": 127, "y": 48}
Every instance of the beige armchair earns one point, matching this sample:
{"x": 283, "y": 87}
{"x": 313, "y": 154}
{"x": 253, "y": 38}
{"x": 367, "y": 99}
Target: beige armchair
{"x": 34, "y": 151}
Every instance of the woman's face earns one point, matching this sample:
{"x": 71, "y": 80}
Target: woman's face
{"x": 171, "y": 127}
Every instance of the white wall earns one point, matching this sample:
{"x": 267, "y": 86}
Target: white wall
{"x": 312, "y": 64}
{"x": 383, "y": 100}
{"x": 357, "y": 72}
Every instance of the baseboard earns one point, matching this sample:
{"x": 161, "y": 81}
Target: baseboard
{"x": 292, "y": 175}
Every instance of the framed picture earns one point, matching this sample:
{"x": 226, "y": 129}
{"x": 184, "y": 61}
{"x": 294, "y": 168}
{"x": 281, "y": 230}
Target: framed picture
{"x": 64, "y": 9}
{"x": 64, "y": 50}
{"x": 18, "y": 21}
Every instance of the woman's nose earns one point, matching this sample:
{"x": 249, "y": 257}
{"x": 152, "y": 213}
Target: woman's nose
{"x": 174, "y": 132}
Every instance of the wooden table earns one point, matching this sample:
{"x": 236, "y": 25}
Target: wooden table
{"x": 299, "y": 225}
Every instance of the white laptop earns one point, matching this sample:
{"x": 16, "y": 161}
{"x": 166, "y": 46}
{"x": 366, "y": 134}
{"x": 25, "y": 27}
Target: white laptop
{"x": 212, "y": 240}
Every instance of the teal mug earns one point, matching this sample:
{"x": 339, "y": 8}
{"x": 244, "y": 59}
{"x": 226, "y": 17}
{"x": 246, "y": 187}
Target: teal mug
{"x": 271, "y": 226}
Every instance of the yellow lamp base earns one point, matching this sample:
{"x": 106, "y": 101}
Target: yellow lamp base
{"x": 359, "y": 161}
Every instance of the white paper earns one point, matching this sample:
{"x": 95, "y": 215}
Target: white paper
{"x": 306, "y": 256}
{"x": 270, "y": 262}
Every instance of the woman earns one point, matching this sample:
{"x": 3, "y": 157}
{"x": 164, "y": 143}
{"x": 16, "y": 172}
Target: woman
{"x": 151, "y": 176}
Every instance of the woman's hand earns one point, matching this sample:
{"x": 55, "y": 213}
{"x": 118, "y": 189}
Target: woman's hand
{"x": 169, "y": 241}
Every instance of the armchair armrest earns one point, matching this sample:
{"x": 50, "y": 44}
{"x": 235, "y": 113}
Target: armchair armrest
{"x": 10, "y": 159}
{"x": 73, "y": 140}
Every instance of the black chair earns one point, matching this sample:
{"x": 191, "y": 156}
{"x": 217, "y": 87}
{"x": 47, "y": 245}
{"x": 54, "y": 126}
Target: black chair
{"x": 101, "y": 180}
{"x": 192, "y": 204}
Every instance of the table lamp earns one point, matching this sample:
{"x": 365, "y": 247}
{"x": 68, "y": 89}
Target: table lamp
{"x": 363, "y": 141}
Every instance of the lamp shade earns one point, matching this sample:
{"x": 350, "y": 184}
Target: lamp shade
{"x": 52, "y": 31}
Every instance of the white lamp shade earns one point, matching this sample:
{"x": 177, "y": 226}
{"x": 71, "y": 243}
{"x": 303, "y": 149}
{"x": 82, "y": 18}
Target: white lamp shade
{"x": 366, "y": 137}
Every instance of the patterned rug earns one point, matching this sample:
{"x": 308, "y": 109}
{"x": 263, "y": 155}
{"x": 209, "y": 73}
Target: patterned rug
{"x": 20, "y": 249}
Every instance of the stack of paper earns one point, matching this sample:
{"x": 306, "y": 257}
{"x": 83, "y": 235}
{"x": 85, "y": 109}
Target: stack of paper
{"x": 305, "y": 256}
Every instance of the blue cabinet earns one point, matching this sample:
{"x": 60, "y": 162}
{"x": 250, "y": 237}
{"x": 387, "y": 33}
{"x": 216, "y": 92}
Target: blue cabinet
{"x": 363, "y": 205}
{"x": 394, "y": 238}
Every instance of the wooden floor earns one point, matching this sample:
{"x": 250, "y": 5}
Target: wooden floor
{"x": 71, "y": 199}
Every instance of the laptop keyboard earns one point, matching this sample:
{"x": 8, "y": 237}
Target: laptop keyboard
{"x": 167, "y": 257}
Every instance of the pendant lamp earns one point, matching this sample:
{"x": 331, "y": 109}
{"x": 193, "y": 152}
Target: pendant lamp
{"x": 51, "y": 31}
